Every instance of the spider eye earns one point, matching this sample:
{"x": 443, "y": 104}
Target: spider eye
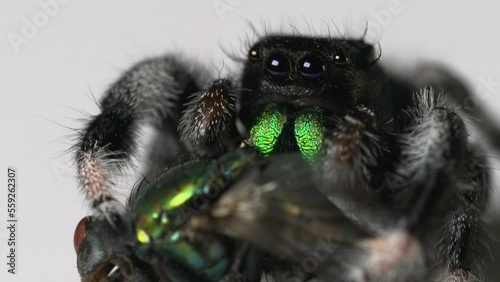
{"x": 80, "y": 232}
{"x": 254, "y": 55}
{"x": 311, "y": 68}
{"x": 278, "y": 66}
{"x": 340, "y": 60}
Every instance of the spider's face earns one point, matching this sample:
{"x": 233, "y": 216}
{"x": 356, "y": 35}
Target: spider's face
{"x": 292, "y": 86}
{"x": 300, "y": 72}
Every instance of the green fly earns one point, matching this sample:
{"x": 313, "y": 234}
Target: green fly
{"x": 173, "y": 199}
{"x": 201, "y": 219}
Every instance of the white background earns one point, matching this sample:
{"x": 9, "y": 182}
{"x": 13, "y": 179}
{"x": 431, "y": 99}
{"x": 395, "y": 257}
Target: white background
{"x": 80, "y": 47}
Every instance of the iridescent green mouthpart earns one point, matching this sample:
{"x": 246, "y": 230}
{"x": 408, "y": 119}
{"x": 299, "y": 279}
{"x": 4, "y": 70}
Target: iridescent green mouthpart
{"x": 309, "y": 133}
{"x": 266, "y": 132}
{"x": 309, "y": 128}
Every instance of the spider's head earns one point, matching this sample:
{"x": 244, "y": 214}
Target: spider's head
{"x": 305, "y": 72}
{"x": 294, "y": 86}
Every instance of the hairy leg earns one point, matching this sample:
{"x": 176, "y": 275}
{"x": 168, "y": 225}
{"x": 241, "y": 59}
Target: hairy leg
{"x": 208, "y": 125}
{"x": 436, "y": 149}
{"x": 152, "y": 91}
{"x": 352, "y": 151}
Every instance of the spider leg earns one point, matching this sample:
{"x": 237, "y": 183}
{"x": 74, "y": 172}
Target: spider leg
{"x": 207, "y": 126}
{"x": 435, "y": 150}
{"x": 440, "y": 77}
{"x": 152, "y": 91}
{"x": 351, "y": 151}
{"x": 403, "y": 222}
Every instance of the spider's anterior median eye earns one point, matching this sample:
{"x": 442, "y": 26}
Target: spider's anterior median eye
{"x": 340, "y": 60}
{"x": 278, "y": 66}
{"x": 311, "y": 68}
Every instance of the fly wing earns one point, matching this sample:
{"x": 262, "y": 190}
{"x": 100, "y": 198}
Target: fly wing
{"x": 279, "y": 209}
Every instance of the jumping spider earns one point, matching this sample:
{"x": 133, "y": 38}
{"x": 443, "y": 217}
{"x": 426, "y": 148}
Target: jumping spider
{"x": 390, "y": 154}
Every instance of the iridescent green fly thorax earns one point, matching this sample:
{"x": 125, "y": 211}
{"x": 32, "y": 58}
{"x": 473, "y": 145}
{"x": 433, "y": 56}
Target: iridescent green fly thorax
{"x": 160, "y": 214}
{"x": 276, "y": 130}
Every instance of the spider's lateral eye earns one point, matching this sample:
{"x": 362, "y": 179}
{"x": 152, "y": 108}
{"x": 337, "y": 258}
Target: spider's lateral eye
{"x": 311, "y": 68}
{"x": 278, "y": 66}
{"x": 80, "y": 232}
{"x": 340, "y": 60}
{"x": 255, "y": 54}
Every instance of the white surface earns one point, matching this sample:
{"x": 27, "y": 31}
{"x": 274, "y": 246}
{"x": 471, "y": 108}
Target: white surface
{"x": 85, "y": 45}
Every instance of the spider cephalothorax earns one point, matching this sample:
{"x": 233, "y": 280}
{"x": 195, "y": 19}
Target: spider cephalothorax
{"x": 390, "y": 160}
